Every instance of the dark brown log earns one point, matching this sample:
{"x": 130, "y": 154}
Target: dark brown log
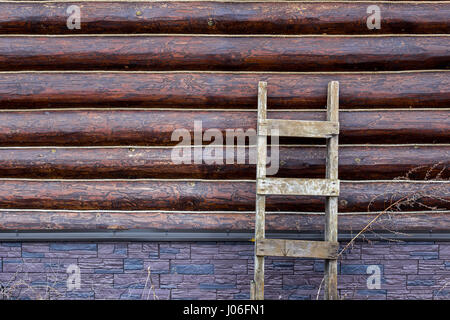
{"x": 210, "y": 195}
{"x": 224, "y": 18}
{"x": 155, "y": 127}
{"x": 27, "y": 220}
{"x": 355, "y": 163}
{"x": 223, "y": 90}
{"x": 220, "y": 53}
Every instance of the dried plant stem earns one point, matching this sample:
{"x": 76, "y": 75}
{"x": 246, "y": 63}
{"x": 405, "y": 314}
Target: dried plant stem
{"x": 396, "y": 203}
{"x": 152, "y": 286}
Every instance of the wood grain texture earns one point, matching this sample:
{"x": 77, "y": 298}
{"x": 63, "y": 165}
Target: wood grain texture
{"x": 355, "y": 163}
{"x": 224, "y": 18}
{"x": 23, "y": 220}
{"x": 219, "y": 53}
{"x": 223, "y": 90}
{"x": 301, "y": 187}
{"x": 331, "y": 203}
{"x": 155, "y": 127}
{"x": 207, "y": 195}
{"x": 299, "y": 128}
{"x": 297, "y": 248}
{"x": 260, "y": 200}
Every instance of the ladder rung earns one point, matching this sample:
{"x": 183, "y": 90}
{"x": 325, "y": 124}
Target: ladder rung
{"x": 300, "y": 187}
{"x": 297, "y": 248}
{"x": 298, "y": 128}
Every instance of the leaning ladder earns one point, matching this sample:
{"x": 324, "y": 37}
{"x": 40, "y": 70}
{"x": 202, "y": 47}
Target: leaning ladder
{"x": 328, "y": 187}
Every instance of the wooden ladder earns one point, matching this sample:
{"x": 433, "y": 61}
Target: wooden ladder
{"x": 328, "y": 187}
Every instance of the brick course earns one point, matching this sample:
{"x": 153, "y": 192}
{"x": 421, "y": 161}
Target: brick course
{"x": 215, "y": 270}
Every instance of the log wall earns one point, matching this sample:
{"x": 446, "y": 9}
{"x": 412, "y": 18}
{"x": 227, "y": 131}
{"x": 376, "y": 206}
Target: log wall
{"x": 88, "y": 115}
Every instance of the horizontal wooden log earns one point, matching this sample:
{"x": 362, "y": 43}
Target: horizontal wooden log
{"x": 220, "y": 53}
{"x": 224, "y": 18}
{"x": 297, "y": 248}
{"x": 223, "y": 90}
{"x": 23, "y": 220}
{"x": 155, "y": 127}
{"x": 210, "y": 195}
{"x": 355, "y": 163}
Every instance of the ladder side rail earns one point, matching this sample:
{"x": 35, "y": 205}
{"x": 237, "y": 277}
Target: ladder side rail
{"x": 331, "y": 203}
{"x": 257, "y": 289}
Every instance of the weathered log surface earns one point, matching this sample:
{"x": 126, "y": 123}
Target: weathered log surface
{"x": 223, "y": 90}
{"x": 155, "y": 127}
{"x": 220, "y": 53}
{"x": 25, "y": 220}
{"x": 355, "y": 163}
{"x": 224, "y": 18}
{"x": 209, "y": 195}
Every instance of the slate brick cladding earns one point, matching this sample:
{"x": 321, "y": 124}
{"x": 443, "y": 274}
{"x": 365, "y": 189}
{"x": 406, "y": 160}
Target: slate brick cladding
{"x": 215, "y": 270}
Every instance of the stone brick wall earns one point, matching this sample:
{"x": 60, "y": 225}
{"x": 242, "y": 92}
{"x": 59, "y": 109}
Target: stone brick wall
{"x": 215, "y": 270}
